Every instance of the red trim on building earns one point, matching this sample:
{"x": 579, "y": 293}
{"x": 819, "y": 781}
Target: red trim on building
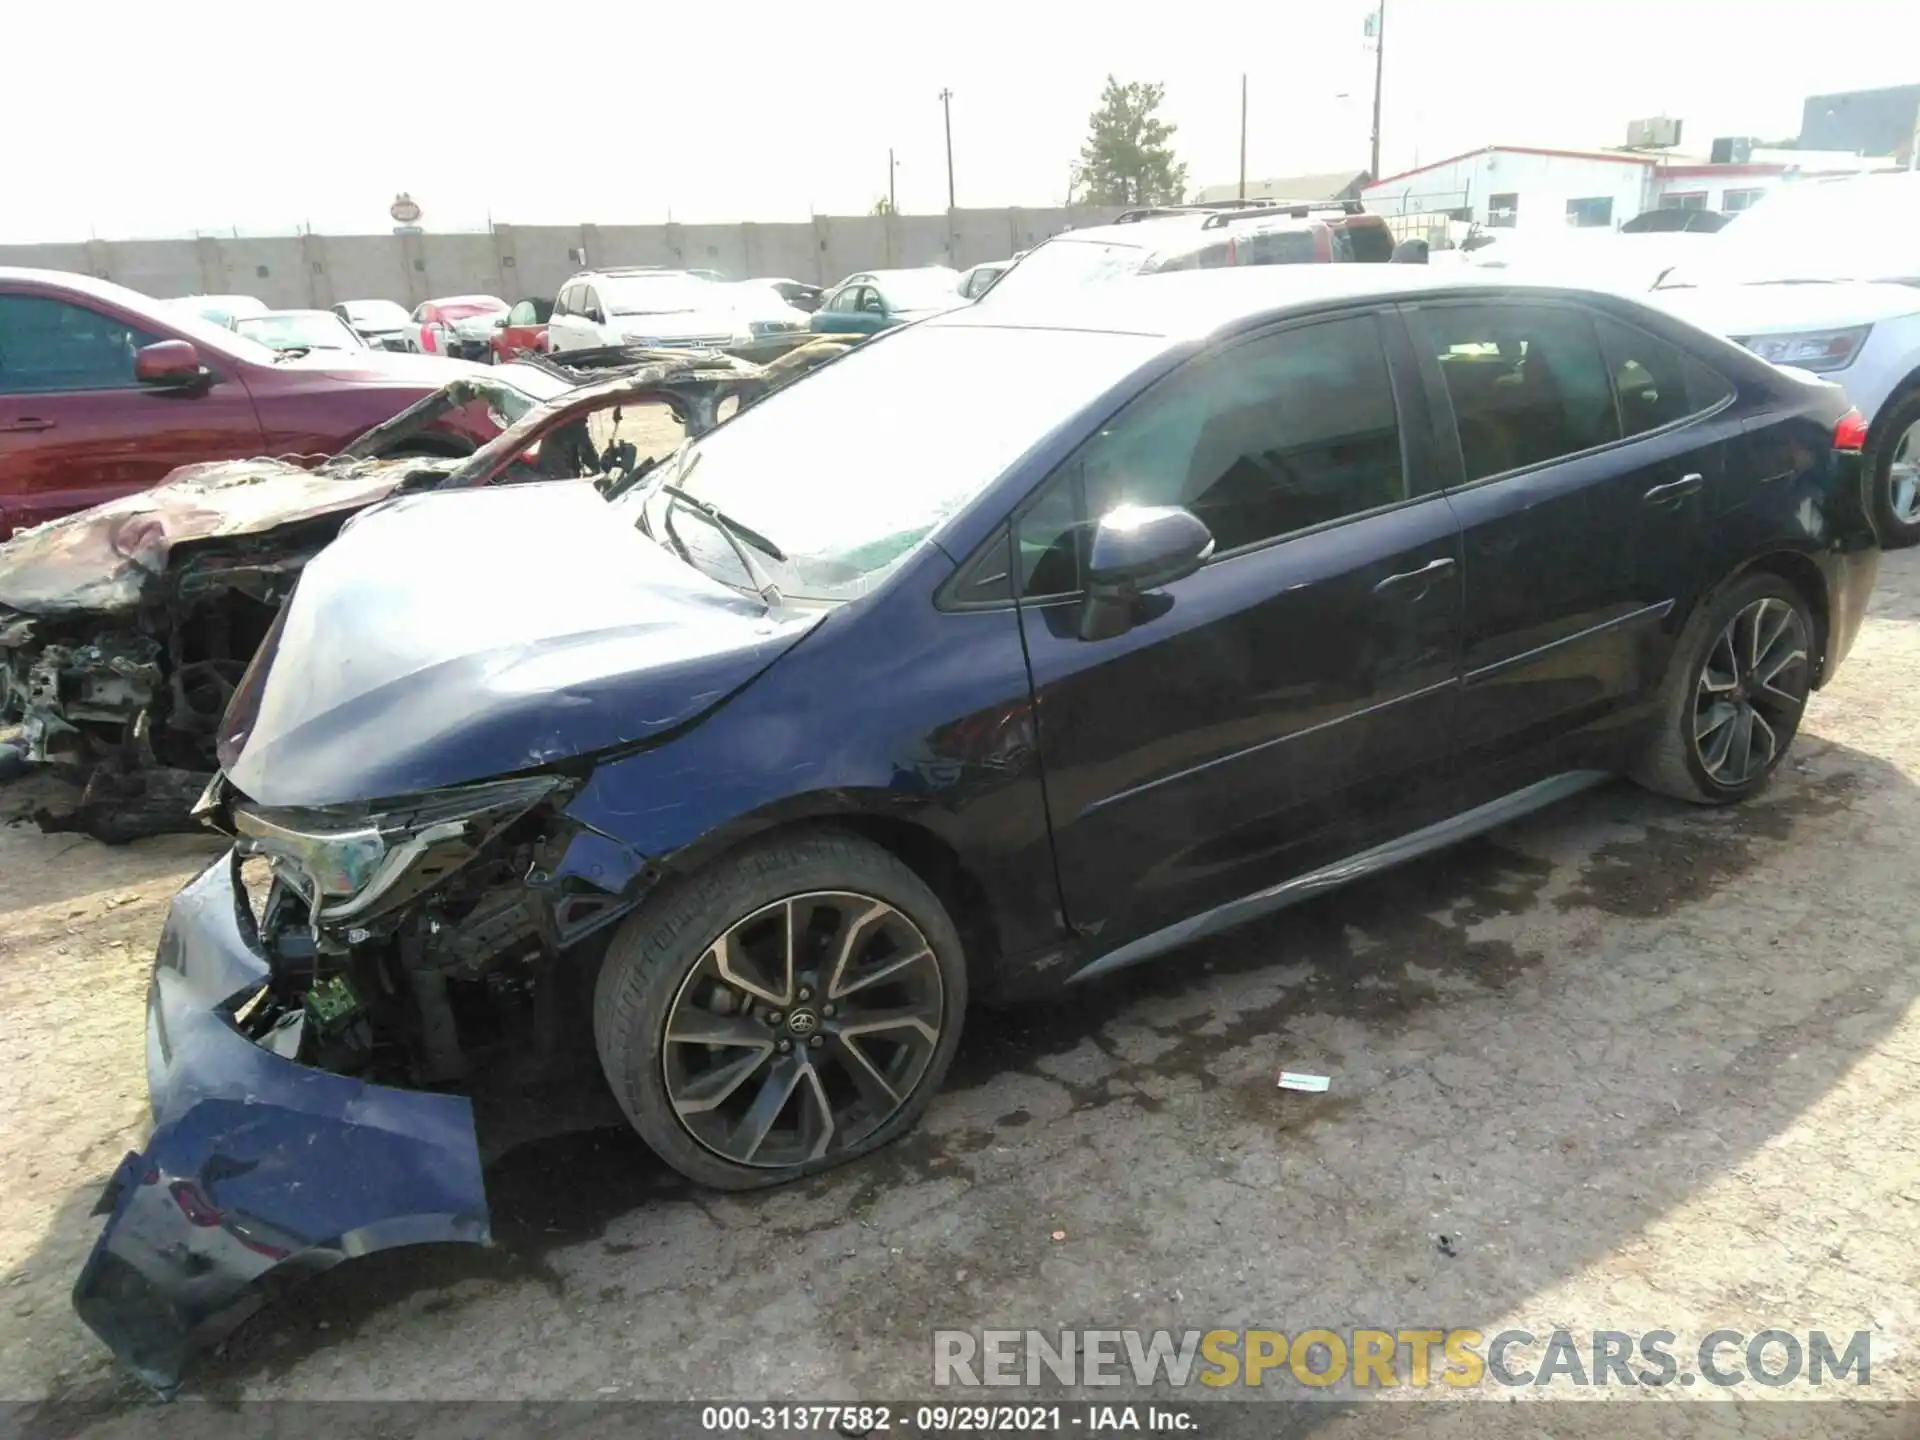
{"x": 1696, "y": 172}
{"x": 1517, "y": 150}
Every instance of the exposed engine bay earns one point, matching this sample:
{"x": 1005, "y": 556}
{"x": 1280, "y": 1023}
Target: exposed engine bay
{"x": 415, "y": 945}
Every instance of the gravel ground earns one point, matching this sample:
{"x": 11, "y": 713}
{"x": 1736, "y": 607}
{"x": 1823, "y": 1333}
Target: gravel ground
{"x": 1641, "y": 1066}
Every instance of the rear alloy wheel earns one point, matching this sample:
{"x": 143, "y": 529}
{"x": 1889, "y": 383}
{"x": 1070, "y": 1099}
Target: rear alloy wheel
{"x": 1741, "y": 676}
{"x": 798, "y": 1029}
{"x": 1751, "y": 691}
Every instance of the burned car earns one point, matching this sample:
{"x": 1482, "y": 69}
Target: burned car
{"x": 124, "y": 629}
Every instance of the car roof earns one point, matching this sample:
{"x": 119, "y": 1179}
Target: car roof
{"x": 1159, "y": 230}
{"x": 272, "y": 314}
{"x": 883, "y": 276}
{"x": 466, "y": 300}
{"x": 1187, "y": 304}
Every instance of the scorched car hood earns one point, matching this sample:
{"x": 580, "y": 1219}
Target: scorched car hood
{"x": 462, "y": 635}
{"x": 114, "y": 556}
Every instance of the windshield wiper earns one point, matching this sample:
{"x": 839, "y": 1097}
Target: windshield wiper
{"x": 732, "y": 531}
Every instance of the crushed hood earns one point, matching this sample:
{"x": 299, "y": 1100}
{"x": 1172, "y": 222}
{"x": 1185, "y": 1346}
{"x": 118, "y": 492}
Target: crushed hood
{"x": 466, "y": 634}
{"x": 112, "y": 557}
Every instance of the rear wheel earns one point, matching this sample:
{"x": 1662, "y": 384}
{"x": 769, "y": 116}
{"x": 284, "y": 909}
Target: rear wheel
{"x": 791, "y": 1009}
{"x": 1740, "y": 679}
{"x": 1893, "y": 465}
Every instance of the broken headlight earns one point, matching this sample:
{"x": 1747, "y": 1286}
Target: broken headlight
{"x": 354, "y": 863}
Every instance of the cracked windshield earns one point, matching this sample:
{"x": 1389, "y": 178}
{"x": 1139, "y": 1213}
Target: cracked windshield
{"x": 1030, "y": 721}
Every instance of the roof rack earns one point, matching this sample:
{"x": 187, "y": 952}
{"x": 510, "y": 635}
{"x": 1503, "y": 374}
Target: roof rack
{"x": 1295, "y": 209}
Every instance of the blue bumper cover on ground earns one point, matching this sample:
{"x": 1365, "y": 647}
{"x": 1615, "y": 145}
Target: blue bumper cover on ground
{"x": 259, "y": 1169}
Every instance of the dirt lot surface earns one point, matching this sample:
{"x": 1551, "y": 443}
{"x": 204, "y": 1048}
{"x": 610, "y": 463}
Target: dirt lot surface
{"x": 1624, "y": 1065}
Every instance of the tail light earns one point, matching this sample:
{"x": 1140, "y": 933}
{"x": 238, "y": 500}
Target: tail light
{"x": 1850, "y": 432}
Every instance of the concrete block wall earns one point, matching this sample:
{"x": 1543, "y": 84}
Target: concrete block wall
{"x": 514, "y": 261}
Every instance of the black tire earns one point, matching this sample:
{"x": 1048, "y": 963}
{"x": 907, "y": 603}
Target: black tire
{"x": 1901, "y": 416}
{"x": 653, "y": 958}
{"x": 1676, "y": 758}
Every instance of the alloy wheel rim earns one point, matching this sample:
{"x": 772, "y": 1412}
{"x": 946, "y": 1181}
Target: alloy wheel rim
{"x": 1750, "y": 692}
{"x": 1903, "y": 476}
{"x": 802, "y": 1029}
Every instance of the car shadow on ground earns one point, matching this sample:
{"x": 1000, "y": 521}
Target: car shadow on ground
{"x": 1381, "y": 982}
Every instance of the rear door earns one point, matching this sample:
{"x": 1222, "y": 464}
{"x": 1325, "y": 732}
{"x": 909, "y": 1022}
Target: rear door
{"x": 77, "y": 429}
{"x": 1582, "y": 533}
{"x": 1292, "y": 701}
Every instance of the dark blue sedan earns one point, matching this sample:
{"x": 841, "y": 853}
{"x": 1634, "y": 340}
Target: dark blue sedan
{"x": 1008, "y": 649}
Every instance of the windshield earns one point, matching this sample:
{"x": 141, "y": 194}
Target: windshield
{"x": 1810, "y": 230}
{"x": 1064, "y": 261}
{"x": 384, "y": 313}
{"x": 300, "y": 330}
{"x": 658, "y": 294}
{"x": 849, "y": 471}
{"x": 220, "y": 309}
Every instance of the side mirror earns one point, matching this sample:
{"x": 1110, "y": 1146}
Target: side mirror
{"x": 1137, "y": 549}
{"x": 168, "y": 364}
{"x": 499, "y": 322}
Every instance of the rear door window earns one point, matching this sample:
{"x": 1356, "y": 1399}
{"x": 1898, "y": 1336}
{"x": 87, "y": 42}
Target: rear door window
{"x": 53, "y": 345}
{"x": 1527, "y": 382}
{"x": 1656, "y": 383}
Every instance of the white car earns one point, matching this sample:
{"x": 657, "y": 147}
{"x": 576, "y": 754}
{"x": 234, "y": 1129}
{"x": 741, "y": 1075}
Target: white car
{"x": 221, "y": 309}
{"x": 1824, "y": 275}
{"x": 658, "y": 309}
{"x": 766, "y": 311}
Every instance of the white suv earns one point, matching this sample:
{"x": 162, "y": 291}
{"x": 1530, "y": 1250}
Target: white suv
{"x": 641, "y": 305}
{"x": 1824, "y": 275}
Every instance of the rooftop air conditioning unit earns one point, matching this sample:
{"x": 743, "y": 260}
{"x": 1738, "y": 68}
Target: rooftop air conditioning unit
{"x": 1658, "y": 133}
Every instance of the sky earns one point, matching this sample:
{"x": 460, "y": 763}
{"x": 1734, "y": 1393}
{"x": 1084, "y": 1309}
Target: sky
{"x": 164, "y": 120}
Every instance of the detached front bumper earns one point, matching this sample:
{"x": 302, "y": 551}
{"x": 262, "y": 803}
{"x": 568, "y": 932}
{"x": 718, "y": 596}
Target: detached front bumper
{"x": 258, "y": 1166}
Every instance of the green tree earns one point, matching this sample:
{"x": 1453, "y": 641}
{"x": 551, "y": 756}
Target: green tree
{"x": 882, "y": 206}
{"x": 1127, "y": 159}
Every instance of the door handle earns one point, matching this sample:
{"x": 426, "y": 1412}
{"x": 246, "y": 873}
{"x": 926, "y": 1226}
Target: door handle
{"x": 1418, "y": 581}
{"x": 1674, "y": 490}
{"x": 27, "y": 422}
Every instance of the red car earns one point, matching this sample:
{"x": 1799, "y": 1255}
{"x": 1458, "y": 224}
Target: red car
{"x": 104, "y": 391}
{"x": 459, "y": 326}
{"x": 522, "y": 332}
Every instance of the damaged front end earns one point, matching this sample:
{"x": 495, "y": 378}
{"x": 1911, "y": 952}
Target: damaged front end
{"x": 291, "y": 1019}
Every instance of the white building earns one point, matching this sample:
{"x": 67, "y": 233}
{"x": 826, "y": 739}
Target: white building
{"x": 1525, "y": 187}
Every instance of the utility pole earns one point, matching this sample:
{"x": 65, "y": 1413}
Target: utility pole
{"x": 893, "y": 207}
{"x": 946, "y": 106}
{"x": 1379, "y": 68}
{"x": 1243, "y": 134}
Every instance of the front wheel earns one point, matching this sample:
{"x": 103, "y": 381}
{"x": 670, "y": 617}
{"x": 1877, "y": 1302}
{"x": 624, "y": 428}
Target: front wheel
{"x": 789, "y": 1010}
{"x": 1893, "y": 470}
{"x": 1738, "y": 686}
